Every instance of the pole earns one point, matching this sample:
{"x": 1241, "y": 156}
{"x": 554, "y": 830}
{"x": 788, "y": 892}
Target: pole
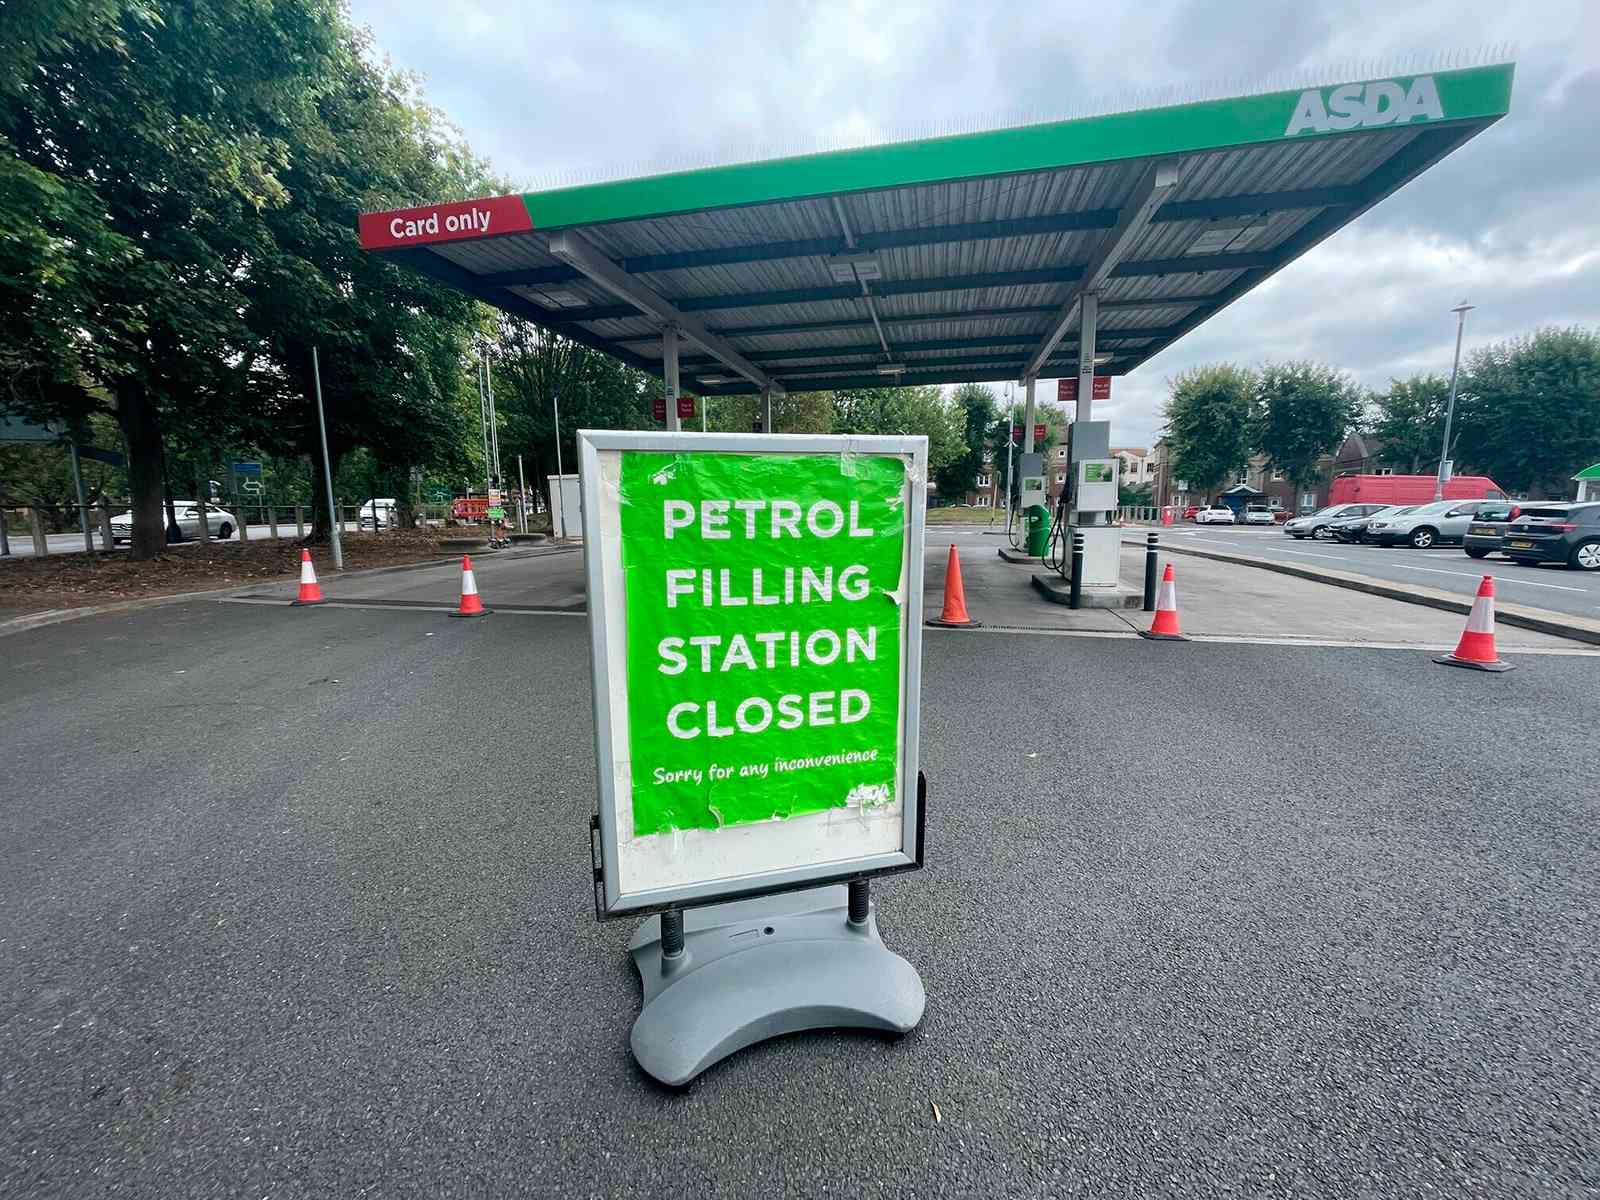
{"x": 556, "y": 504}
{"x": 483, "y": 422}
{"x": 522, "y": 497}
{"x": 327, "y": 467}
{"x": 83, "y": 503}
{"x": 1461, "y": 310}
{"x": 5, "y": 534}
{"x": 1150, "y": 542}
{"x": 494, "y": 422}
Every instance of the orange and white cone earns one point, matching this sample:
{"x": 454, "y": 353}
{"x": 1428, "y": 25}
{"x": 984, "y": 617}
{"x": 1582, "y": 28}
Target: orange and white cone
{"x": 1165, "y": 627}
{"x": 954, "y": 615}
{"x": 310, "y": 589}
{"x": 1476, "y": 648}
{"x": 471, "y": 602}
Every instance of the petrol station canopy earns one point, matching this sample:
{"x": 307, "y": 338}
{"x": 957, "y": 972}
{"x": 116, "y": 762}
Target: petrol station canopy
{"x": 978, "y": 257}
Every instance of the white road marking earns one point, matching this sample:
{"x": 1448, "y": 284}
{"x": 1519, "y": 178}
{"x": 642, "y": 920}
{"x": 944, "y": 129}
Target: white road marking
{"x": 1310, "y": 554}
{"x": 1499, "y": 578}
{"x": 1240, "y": 640}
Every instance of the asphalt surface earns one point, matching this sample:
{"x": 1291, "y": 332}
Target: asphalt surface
{"x": 1447, "y": 567}
{"x": 296, "y": 903}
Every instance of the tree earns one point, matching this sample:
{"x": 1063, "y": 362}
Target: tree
{"x": 974, "y": 407}
{"x": 1208, "y": 428}
{"x": 1054, "y": 421}
{"x": 1529, "y": 409}
{"x": 1302, "y": 411}
{"x": 534, "y": 370}
{"x": 139, "y": 133}
{"x": 1409, "y": 421}
{"x": 792, "y": 412}
{"x": 902, "y": 410}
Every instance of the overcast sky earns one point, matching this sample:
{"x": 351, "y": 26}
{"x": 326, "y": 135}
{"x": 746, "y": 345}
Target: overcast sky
{"x": 1511, "y": 221}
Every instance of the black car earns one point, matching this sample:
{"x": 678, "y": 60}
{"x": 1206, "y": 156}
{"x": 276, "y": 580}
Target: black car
{"x": 1488, "y": 528}
{"x": 1564, "y": 533}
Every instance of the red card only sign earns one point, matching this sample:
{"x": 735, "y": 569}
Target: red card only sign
{"x": 1067, "y": 389}
{"x": 658, "y": 408}
{"x": 444, "y": 223}
{"x": 685, "y": 407}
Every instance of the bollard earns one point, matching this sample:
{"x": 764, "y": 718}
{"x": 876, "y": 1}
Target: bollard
{"x": 272, "y": 520}
{"x": 1150, "y": 542}
{"x": 41, "y": 543}
{"x": 244, "y": 523}
{"x": 299, "y": 521}
{"x": 5, "y": 534}
{"x": 108, "y": 540}
{"x": 1076, "y": 595}
{"x": 860, "y": 902}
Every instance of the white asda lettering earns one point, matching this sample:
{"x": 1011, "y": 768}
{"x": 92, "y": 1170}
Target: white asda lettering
{"x": 473, "y": 221}
{"x": 1357, "y": 105}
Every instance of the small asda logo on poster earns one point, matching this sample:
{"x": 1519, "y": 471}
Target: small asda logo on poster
{"x": 1364, "y": 105}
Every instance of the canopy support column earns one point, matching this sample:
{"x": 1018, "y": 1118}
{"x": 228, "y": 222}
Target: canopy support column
{"x": 766, "y": 411}
{"x": 669, "y": 374}
{"x": 1088, "y": 318}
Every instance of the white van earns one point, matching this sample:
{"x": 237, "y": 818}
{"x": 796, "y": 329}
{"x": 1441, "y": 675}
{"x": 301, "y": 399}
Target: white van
{"x": 375, "y": 514}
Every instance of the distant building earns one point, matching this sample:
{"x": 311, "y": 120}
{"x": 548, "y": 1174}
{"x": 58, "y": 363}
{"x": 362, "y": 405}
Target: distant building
{"x": 1138, "y": 469}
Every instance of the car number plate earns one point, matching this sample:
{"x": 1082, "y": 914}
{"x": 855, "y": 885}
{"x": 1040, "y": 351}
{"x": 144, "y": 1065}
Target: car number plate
{"x": 1520, "y": 545}
{"x": 1483, "y": 530}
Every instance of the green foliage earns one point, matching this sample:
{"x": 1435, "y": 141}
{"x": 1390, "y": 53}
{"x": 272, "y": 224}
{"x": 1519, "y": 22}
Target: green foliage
{"x": 1208, "y": 427}
{"x": 793, "y": 412}
{"x": 1529, "y": 409}
{"x": 1302, "y": 412}
{"x": 1054, "y": 421}
{"x": 974, "y": 407}
{"x": 903, "y": 410}
{"x": 1409, "y": 421}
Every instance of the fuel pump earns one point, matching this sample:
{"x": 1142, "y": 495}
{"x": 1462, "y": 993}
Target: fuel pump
{"x": 1091, "y": 501}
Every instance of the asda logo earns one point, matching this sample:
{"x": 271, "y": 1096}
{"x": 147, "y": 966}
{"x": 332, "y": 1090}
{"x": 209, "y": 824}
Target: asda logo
{"x": 1363, "y": 105}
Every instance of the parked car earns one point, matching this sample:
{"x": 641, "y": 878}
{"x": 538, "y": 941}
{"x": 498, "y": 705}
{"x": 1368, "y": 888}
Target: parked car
{"x": 1428, "y": 525}
{"x": 1354, "y": 529}
{"x": 1315, "y": 525}
{"x": 1488, "y": 527}
{"x": 1568, "y": 533}
{"x": 1190, "y": 512}
{"x": 1257, "y": 514}
{"x": 375, "y": 514}
{"x": 221, "y": 522}
{"x": 1215, "y": 514}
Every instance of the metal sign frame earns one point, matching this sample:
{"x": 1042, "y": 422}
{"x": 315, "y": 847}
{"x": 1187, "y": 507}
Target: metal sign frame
{"x": 610, "y": 900}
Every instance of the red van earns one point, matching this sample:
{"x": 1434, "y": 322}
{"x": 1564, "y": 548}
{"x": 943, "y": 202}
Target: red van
{"x": 1409, "y": 489}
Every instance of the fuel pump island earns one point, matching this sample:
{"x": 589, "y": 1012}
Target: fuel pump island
{"x": 1071, "y": 249}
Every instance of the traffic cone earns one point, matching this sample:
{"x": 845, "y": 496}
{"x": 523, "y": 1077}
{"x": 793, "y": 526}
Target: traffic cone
{"x": 310, "y": 589}
{"x": 1476, "y": 648}
{"x": 954, "y": 615}
{"x": 471, "y": 602}
{"x": 1165, "y": 627}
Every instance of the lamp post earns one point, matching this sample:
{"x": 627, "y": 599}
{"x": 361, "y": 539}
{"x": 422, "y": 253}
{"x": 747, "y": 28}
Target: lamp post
{"x": 1461, "y": 310}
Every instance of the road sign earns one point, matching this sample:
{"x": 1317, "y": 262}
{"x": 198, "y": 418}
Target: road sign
{"x": 252, "y": 486}
{"x": 755, "y": 623}
{"x": 14, "y": 429}
{"x": 440, "y": 495}
{"x": 1016, "y": 433}
{"x": 99, "y": 455}
{"x": 685, "y": 407}
{"x": 1067, "y": 389}
{"x": 246, "y": 468}
{"x": 658, "y": 408}
{"x": 1038, "y": 434}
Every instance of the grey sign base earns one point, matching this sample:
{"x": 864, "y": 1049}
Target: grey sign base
{"x": 756, "y": 969}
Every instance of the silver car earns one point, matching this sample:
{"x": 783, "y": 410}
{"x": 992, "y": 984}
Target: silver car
{"x": 221, "y": 522}
{"x": 1436, "y": 524}
{"x": 1317, "y": 525}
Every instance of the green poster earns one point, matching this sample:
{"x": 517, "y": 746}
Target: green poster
{"x": 764, "y": 622}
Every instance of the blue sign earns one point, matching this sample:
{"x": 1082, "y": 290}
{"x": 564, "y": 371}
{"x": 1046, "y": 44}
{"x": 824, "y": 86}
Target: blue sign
{"x": 247, "y": 468}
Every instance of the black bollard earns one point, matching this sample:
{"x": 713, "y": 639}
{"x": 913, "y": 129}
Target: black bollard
{"x": 1150, "y": 541}
{"x": 1077, "y": 570}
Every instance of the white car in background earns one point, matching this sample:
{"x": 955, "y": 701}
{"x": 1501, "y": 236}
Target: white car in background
{"x": 220, "y": 521}
{"x": 375, "y": 514}
{"x": 1215, "y": 514}
{"x": 1257, "y": 514}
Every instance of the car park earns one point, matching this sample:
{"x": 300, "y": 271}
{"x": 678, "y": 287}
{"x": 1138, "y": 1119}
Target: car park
{"x": 1317, "y": 524}
{"x": 1257, "y": 514}
{"x": 1215, "y": 514}
{"x": 1427, "y": 525}
{"x": 1564, "y": 533}
{"x": 1354, "y": 529}
{"x": 221, "y": 522}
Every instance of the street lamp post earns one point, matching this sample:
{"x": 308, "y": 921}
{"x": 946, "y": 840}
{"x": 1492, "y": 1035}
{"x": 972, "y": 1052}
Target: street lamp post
{"x": 1461, "y": 310}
